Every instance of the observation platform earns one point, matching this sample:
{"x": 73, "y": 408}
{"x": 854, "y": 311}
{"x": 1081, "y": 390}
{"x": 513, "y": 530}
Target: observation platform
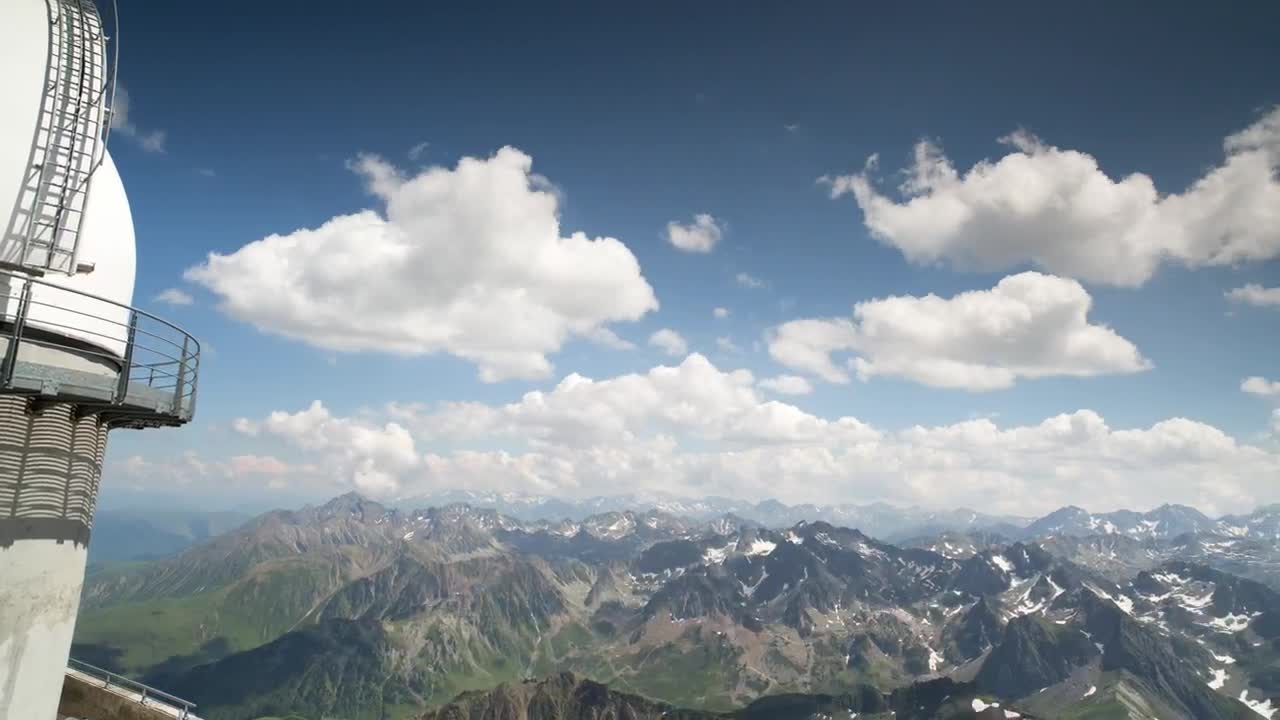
{"x": 124, "y": 365}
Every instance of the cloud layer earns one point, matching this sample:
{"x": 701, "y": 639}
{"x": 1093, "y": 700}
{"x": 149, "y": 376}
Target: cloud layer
{"x": 1057, "y": 210}
{"x": 469, "y": 261}
{"x": 693, "y": 429}
{"x": 1029, "y": 325}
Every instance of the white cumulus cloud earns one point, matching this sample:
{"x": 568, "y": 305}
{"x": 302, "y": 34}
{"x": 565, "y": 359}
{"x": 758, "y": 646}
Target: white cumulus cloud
{"x": 1255, "y": 294}
{"x": 1056, "y": 209}
{"x": 373, "y": 457}
{"x": 670, "y": 342}
{"x": 748, "y": 280}
{"x": 1261, "y": 386}
{"x": 470, "y": 261}
{"x": 806, "y": 345}
{"x": 1029, "y": 325}
{"x": 720, "y": 313}
{"x": 700, "y": 236}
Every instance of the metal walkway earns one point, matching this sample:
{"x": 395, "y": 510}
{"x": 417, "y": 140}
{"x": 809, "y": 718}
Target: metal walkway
{"x": 139, "y": 370}
{"x": 154, "y": 699}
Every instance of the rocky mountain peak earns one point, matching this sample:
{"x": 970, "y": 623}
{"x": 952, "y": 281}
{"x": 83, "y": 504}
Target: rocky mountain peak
{"x": 355, "y": 505}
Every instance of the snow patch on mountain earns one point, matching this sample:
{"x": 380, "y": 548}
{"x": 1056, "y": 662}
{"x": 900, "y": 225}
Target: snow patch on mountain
{"x": 715, "y": 556}
{"x": 1230, "y": 623}
{"x": 1263, "y": 707}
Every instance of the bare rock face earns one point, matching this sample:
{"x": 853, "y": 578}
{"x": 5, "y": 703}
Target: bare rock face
{"x": 1034, "y": 654}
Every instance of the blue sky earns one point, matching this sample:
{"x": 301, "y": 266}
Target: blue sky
{"x": 651, "y": 115}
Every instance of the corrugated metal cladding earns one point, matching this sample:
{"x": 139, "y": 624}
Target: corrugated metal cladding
{"x": 50, "y": 468}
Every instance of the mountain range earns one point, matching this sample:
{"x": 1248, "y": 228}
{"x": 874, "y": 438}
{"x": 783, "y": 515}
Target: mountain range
{"x": 881, "y": 520}
{"x": 354, "y": 609}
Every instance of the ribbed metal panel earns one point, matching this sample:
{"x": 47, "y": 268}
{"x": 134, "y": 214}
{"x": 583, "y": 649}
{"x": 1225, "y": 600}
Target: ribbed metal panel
{"x": 50, "y": 469}
{"x": 88, "y": 441}
{"x": 15, "y": 426}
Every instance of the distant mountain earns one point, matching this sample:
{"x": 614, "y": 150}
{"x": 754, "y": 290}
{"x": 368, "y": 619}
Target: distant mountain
{"x": 1262, "y": 524}
{"x": 1119, "y": 545}
{"x": 1166, "y": 521}
{"x": 123, "y": 535}
{"x": 877, "y": 519}
{"x": 1121, "y": 557}
{"x": 361, "y": 610}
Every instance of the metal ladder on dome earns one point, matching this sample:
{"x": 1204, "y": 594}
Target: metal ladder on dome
{"x": 68, "y": 144}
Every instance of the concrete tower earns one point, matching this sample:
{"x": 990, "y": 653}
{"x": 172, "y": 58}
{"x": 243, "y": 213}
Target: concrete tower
{"x": 76, "y": 360}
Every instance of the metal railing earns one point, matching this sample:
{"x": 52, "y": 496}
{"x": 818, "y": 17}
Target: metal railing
{"x": 154, "y": 365}
{"x": 109, "y": 679}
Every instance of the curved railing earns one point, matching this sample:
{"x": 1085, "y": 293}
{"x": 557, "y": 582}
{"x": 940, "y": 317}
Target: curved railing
{"x": 129, "y": 363}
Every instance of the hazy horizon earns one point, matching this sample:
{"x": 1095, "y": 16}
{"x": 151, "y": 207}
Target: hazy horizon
{"x": 153, "y": 501}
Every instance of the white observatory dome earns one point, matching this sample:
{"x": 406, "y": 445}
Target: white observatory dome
{"x": 106, "y": 238}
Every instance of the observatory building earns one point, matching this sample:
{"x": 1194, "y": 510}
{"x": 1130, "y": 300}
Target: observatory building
{"x": 76, "y": 359}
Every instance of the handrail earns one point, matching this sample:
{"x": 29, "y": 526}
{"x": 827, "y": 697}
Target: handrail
{"x": 112, "y": 72}
{"x": 97, "y": 318}
{"x": 141, "y": 380}
{"x": 24, "y": 277}
{"x": 108, "y": 678}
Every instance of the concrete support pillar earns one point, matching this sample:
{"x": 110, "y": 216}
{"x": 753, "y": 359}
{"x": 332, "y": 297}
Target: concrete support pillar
{"x": 50, "y": 468}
